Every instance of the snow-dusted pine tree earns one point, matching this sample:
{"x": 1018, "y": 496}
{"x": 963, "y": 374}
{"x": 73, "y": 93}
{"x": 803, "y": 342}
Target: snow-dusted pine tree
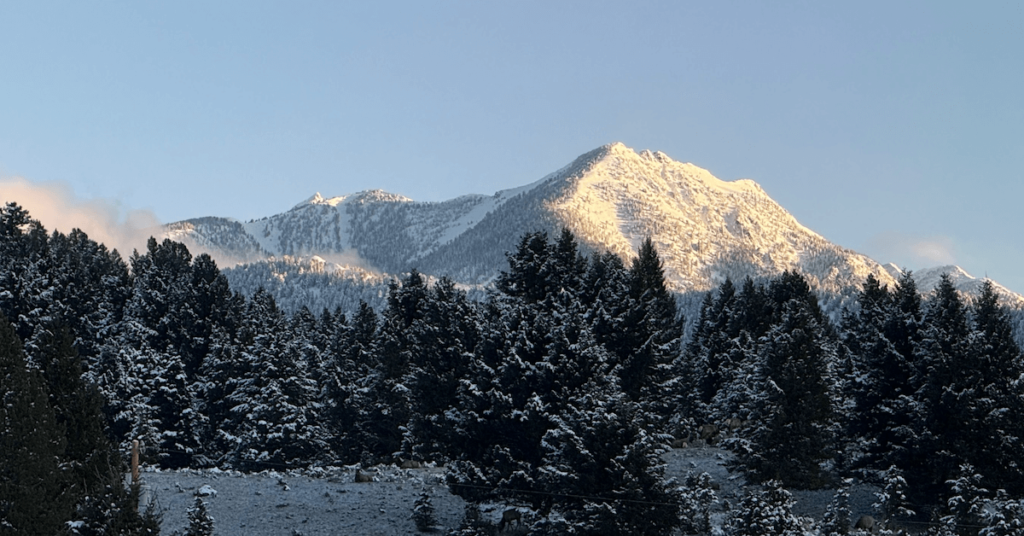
{"x": 768, "y": 511}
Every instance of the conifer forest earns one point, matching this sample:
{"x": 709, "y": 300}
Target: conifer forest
{"x": 561, "y": 388}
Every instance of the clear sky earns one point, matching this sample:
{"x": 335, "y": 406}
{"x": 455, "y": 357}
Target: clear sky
{"x": 892, "y": 128}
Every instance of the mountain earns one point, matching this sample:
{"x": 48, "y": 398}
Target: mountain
{"x": 968, "y": 285}
{"x": 613, "y": 197}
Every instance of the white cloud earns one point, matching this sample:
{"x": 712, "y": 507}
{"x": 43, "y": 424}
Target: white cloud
{"x": 911, "y": 251}
{"x": 56, "y": 206}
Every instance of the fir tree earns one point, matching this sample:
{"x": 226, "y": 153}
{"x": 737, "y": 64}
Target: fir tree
{"x": 423, "y": 513}
{"x": 200, "y": 523}
{"x": 646, "y": 373}
{"x": 384, "y": 405}
{"x": 77, "y": 409}
{"x": 769, "y": 511}
{"x": 443, "y": 340}
{"x": 836, "y": 520}
{"x": 882, "y": 336}
{"x": 999, "y": 440}
{"x": 1005, "y": 518}
{"x": 892, "y": 499}
{"x": 533, "y": 273}
{"x": 352, "y": 350}
{"x": 603, "y": 467}
{"x": 707, "y": 367}
{"x": 273, "y": 411}
{"x": 949, "y": 397}
{"x": 966, "y": 503}
{"x": 794, "y": 433}
{"x": 697, "y": 499}
{"x": 32, "y": 484}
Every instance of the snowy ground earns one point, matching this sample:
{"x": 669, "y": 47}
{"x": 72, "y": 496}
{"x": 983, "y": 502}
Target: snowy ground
{"x": 331, "y": 502}
{"x": 295, "y": 504}
{"x": 732, "y": 486}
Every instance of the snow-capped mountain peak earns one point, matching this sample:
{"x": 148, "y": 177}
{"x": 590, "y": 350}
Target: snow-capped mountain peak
{"x": 928, "y": 278}
{"x": 706, "y": 229}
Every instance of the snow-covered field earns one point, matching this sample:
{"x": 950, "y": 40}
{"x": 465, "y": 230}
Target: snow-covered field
{"x": 326, "y": 502}
{"x": 292, "y": 504}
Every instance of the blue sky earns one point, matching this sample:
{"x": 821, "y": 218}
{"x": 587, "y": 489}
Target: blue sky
{"x": 892, "y": 128}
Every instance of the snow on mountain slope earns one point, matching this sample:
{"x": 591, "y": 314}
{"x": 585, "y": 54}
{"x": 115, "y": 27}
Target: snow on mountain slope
{"x": 612, "y": 198}
{"x": 705, "y": 229}
{"x": 927, "y": 279}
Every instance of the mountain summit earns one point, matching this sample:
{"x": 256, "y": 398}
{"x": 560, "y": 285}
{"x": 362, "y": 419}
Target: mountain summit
{"x": 705, "y": 229}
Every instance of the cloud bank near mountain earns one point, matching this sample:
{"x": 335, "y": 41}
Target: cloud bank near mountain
{"x": 58, "y": 208}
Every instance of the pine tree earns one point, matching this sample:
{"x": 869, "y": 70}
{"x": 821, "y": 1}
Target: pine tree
{"x": 384, "y": 405}
{"x": 200, "y": 523}
{"x": 32, "y": 444}
{"x": 77, "y": 409}
{"x": 965, "y": 507}
{"x": 444, "y": 340}
{"x": 352, "y": 350}
{"x": 603, "y": 468}
{"x": 529, "y": 275}
{"x": 115, "y": 510}
{"x": 706, "y": 364}
{"x": 423, "y": 513}
{"x": 794, "y": 433}
{"x": 769, "y": 511}
{"x": 1005, "y": 518}
{"x": 697, "y": 499}
{"x": 892, "y": 500}
{"x": 836, "y": 520}
{"x": 273, "y": 421}
{"x": 646, "y": 373}
{"x": 999, "y": 442}
{"x": 950, "y": 375}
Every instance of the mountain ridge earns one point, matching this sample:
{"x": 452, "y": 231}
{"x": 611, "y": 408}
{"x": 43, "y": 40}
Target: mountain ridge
{"x": 611, "y": 198}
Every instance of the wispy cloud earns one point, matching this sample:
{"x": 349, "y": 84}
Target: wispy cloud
{"x": 58, "y": 208}
{"x": 911, "y": 251}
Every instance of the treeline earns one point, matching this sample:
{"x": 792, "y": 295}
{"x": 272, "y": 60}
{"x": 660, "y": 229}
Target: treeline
{"x": 561, "y": 389}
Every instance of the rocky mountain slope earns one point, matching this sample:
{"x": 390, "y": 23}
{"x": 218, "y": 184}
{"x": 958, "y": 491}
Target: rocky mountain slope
{"x": 612, "y": 198}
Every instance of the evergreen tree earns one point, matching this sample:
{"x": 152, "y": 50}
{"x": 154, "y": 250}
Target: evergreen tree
{"x": 836, "y": 521}
{"x": 444, "y": 340}
{"x": 605, "y": 292}
{"x": 882, "y": 337}
{"x": 705, "y": 357}
{"x": 965, "y": 508}
{"x": 999, "y": 440}
{"x": 384, "y": 405}
{"x": 200, "y": 523}
{"x": 794, "y": 432}
{"x": 352, "y": 350}
{"x": 741, "y": 323}
{"x": 892, "y": 498}
{"x": 950, "y": 377}
{"x": 77, "y": 407}
{"x": 646, "y": 373}
{"x": 32, "y": 484}
{"x": 23, "y": 246}
{"x": 769, "y": 511}
{"x": 1005, "y": 518}
{"x": 423, "y": 513}
{"x": 115, "y": 510}
{"x": 697, "y": 499}
{"x": 529, "y": 274}
{"x": 274, "y": 421}
{"x": 603, "y": 468}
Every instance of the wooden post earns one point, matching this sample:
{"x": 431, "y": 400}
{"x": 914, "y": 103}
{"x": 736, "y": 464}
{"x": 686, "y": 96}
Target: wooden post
{"x": 135, "y": 462}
